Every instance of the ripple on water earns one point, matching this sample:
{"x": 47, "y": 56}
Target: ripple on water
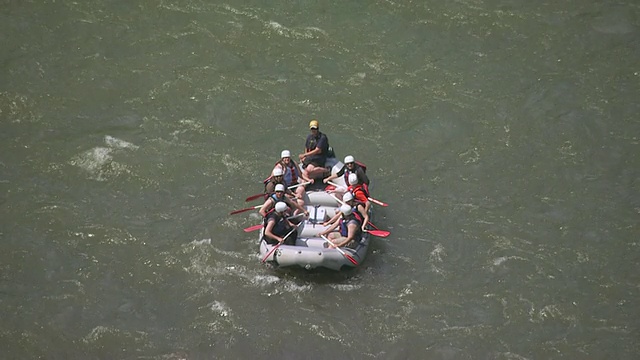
{"x": 99, "y": 162}
{"x": 616, "y": 21}
{"x": 220, "y": 308}
{"x": 109, "y": 337}
{"x": 118, "y": 143}
{"x": 205, "y": 269}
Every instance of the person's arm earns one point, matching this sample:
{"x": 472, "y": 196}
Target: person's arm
{"x": 270, "y": 187}
{"x": 268, "y": 231}
{"x": 362, "y": 176}
{"x": 367, "y": 206}
{"x": 329, "y": 178}
{"x": 315, "y": 151}
{"x": 332, "y": 220}
{"x": 334, "y": 176}
{"x": 351, "y": 232}
{"x": 300, "y": 174}
{"x": 292, "y": 225}
{"x": 329, "y": 229}
{"x": 265, "y": 207}
{"x": 365, "y": 216}
{"x": 323, "y": 144}
{"x": 305, "y": 153}
{"x": 294, "y": 204}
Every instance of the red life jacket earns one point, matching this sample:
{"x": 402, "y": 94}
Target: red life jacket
{"x": 359, "y": 192}
{"x": 290, "y": 172}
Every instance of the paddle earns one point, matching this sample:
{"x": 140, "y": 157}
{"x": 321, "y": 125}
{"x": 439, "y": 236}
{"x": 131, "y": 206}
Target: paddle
{"x": 301, "y": 184}
{"x": 378, "y": 202}
{"x": 338, "y": 200}
{"x": 245, "y": 209}
{"x": 256, "y": 196}
{"x": 376, "y": 228}
{"x": 353, "y": 261}
{"x": 253, "y": 197}
{"x": 379, "y": 233}
{"x": 376, "y": 232}
{"x": 277, "y": 246}
{"x": 253, "y": 228}
{"x": 336, "y": 185}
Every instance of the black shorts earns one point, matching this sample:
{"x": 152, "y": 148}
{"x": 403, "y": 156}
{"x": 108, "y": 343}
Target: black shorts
{"x": 313, "y": 161}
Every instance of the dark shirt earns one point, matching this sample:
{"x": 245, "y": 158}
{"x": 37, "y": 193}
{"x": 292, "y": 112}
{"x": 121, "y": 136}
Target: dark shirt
{"x": 319, "y": 141}
{"x": 358, "y": 170}
{"x": 280, "y": 228}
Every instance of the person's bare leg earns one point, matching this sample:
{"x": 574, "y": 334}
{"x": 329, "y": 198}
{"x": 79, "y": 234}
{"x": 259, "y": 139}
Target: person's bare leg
{"x": 315, "y": 172}
{"x": 300, "y": 195}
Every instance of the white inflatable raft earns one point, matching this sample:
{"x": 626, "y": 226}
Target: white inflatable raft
{"x": 311, "y": 251}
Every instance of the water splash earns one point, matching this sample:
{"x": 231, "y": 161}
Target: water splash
{"x": 118, "y": 143}
{"x": 99, "y": 162}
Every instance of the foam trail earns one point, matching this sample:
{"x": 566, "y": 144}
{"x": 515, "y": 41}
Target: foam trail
{"x": 118, "y": 143}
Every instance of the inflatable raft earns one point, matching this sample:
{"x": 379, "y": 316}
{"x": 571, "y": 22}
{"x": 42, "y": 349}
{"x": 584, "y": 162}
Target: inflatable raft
{"x": 311, "y": 251}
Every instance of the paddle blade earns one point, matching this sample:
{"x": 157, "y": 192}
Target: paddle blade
{"x": 379, "y": 233}
{"x": 270, "y": 252}
{"x": 246, "y": 209}
{"x": 253, "y": 197}
{"x": 300, "y": 184}
{"x": 253, "y": 228}
{"x": 373, "y": 226}
{"x": 240, "y": 211}
{"x": 353, "y": 261}
{"x": 349, "y": 257}
{"x": 378, "y": 202}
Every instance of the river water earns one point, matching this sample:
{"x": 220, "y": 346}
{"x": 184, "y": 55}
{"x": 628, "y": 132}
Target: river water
{"x": 504, "y": 135}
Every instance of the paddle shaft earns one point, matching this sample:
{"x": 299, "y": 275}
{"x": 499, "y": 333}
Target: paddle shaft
{"x": 277, "y": 246}
{"x": 378, "y": 202}
{"x": 245, "y": 209}
{"x": 379, "y": 233}
{"x": 334, "y": 184}
{"x": 341, "y": 251}
{"x": 253, "y": 228}
{"x": 336, "y": 198}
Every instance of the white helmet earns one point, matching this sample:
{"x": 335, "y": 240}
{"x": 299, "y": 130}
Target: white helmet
{"x": 277, "y": 171}
{"x": 281, "y": 207}
{"x": 349, "y": 159}
{"x": 279, "y": 187}
{"x": 347, "y": 196}
{"x": 353, "y": 179}
{"x": 285, "y": 154}
{"x": 345, "y": 210}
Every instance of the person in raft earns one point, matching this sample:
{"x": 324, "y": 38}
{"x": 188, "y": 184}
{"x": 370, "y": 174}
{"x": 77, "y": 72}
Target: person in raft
{"x": 316, "y": 149}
